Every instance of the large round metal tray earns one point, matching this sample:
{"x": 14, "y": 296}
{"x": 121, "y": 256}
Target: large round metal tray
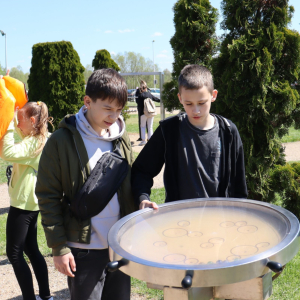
{"x": 221, "y": 240}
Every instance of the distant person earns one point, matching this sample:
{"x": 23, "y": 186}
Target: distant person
{"x": 202, "y": 152}
{"x": 144, "y": 120}
{"x": 80, "y": 247}
{"x": 21, "y": 229}
{"x": 137, "y": 93}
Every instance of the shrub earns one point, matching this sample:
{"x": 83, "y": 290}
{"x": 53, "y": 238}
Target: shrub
{"x": 285, "y": 180}
{"x": 103, "y": 60}
{"x": 259, "y": 59}
{"x": 56, "y": 78}
{"x": 194, "y": 42}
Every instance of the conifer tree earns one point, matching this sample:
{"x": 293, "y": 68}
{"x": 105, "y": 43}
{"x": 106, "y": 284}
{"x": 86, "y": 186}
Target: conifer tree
{"x": 259, "y": 60}
{"x": 194, "y": 41}
{"x": 56, "y": 78}
{"x": 103, "y": 60}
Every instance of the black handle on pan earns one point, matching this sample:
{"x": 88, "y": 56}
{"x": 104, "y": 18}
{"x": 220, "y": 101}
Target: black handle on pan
{"x": 115, "y": 265}
{"x": 275, "y": 266}
{"x": 187, "y": 281}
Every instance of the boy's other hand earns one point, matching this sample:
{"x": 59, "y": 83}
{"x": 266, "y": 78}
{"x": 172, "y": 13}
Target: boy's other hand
{"x": 147, "y": 203}
{"x": 64, "y": 262}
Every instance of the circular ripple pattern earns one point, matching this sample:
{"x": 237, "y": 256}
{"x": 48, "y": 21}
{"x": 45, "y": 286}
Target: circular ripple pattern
{"x": 183, "y": 223}
{"x": 174, "y": 258}
{"x": 244, "y": 250}
{"x": 233, "y": 257}
{"x": 160, "y": 244}
{"x": 174, "y": 232}
{"x": 191, "y": 261}
{"x": 247, "y": 229}
{"x": 262, "y": 245}
{"x": 227, "y": 224}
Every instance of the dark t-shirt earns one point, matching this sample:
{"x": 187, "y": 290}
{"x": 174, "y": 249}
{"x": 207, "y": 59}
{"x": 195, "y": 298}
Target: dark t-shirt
{"x": 198, "y": 160}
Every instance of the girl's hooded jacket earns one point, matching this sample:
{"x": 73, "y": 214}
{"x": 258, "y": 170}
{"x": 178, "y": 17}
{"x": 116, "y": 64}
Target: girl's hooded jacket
{"x": 25, "y": 164}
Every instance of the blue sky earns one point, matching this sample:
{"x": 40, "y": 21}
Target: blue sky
{"x": 115, "y": 25}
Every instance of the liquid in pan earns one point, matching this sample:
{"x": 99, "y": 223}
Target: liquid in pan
{"x": 201, "y": 236}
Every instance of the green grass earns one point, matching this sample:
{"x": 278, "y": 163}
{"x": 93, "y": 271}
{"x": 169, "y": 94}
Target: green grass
{"x": 287, "y": 285}
{"x": 135, "y": 154}
{"x": 292, "y": 136}
{"x": 132, "y": 124}
{"x": 3, "y": 165}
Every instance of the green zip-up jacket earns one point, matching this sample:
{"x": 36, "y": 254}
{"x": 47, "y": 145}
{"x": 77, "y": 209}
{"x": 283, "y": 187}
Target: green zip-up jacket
{"x": 61, "y": 175}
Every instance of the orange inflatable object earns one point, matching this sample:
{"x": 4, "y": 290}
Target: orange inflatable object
{"x": 17, "y": 88}
{"x": 7, "y": 108}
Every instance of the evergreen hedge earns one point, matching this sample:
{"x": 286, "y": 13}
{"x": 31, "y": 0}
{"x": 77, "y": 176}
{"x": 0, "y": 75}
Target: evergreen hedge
{"x": 259, "y": 60}
{"x": 285, "y": 180}
{"x": 194, "y": 42}
{"x": 103, "y": 60}
{"x": 56, "y": 78}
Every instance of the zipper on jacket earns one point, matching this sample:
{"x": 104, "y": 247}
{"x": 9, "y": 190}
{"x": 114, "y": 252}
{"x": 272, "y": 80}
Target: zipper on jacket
{"x": 82, "y": 168}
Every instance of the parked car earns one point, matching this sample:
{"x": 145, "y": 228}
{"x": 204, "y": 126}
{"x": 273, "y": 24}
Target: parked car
{"x": 155, "y": 92}
{"x": 131, "y": 94}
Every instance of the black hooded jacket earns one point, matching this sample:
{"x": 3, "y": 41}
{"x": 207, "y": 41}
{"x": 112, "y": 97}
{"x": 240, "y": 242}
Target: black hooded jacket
{"x": 162, "y": 149}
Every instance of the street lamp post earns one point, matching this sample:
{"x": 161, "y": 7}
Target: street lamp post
{"x": 153, "y": 61}
{"x": 3, "y": 33}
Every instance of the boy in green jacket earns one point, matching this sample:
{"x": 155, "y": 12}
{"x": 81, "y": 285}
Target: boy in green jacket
{"x": 80, "y": 248}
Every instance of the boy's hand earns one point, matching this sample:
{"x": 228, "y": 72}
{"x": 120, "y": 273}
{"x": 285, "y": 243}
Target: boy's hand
{"x": 64, "y": 262}
{"x": 147, "y": 203}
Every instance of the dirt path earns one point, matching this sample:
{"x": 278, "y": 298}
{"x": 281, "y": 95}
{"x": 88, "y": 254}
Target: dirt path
{"x": 9, "y": 287}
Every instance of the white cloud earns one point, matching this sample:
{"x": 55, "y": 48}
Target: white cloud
{"x": 157, "y": 34}
{"x": 108, "y": 31}
{"x": 164, "y": 51}
{"x": 113, "y": 53}
{"x": 126, "y": 30}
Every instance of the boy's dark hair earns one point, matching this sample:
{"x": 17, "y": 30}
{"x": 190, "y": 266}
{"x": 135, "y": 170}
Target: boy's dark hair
{"x": 107, "y": 84}
{"x": 195, "y": 77}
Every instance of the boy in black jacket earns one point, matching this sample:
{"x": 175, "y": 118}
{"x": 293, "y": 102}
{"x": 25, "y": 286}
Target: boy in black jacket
{"x": 203, "y": 153}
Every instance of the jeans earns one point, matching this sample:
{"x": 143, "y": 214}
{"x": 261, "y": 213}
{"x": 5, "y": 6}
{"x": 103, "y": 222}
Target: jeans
{"x": 91, "y": 282}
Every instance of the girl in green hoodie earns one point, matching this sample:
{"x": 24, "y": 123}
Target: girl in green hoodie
{"x": 21, "y": 229}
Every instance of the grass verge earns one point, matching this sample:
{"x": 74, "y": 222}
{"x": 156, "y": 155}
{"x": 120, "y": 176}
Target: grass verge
{"x": 292, "y": 136}
{"x": 132, "y": 124}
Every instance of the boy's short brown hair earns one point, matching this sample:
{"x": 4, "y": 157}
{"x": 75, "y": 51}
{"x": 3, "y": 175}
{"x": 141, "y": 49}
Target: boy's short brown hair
{"x": 195, "y": 77}
{"x": 107, "y": 84}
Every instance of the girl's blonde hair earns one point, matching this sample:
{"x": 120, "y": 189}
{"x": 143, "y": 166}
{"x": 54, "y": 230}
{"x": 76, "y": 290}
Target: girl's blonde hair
{"x": 143, "y": 85}
{"x": 39, "y": 110}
